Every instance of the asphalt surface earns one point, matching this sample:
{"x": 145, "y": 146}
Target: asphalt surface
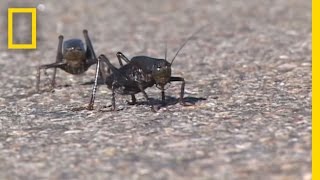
{"x": 248, "y": 76}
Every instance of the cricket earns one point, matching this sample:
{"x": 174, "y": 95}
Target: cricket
{"x": 140, "y": 73}
{"x": 73, "y": 58}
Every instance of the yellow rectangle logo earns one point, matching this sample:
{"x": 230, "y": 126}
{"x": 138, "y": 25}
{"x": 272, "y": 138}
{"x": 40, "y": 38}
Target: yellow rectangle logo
{"x": 33, "y": 12}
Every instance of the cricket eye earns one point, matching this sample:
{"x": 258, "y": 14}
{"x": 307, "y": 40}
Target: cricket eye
{"x": 158, "y": 68}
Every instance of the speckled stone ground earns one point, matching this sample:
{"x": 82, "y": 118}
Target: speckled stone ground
{"x": 248, "y": 75}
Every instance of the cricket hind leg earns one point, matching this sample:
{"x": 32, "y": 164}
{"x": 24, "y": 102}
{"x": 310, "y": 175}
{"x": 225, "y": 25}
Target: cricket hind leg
{"x": 91, "y": 56}
{"x": 121, "y": 57}
{"x": 94, "y": 88}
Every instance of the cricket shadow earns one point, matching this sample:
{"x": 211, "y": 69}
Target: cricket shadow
{"x": 189, "y": 101}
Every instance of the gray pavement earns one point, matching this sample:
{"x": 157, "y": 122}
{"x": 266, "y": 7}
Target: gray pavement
{"x": 248, "y": 75}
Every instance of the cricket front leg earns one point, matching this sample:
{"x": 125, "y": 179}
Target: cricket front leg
{"x": 59, "y": 59}
{"x": 181, "y": 100}
{"x": 163, "y": 97}
{"x": 47, "y": 66}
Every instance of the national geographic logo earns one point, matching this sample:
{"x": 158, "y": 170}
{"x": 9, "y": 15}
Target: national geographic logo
{"x": 12, "y": 12}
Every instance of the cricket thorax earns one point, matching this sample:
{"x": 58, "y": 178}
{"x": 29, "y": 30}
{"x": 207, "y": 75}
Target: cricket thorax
{"x": 139, "y": 75}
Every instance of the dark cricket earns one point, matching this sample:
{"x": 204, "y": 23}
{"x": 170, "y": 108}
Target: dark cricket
{"x": 139, "y": 73}
{"x": 73, "y": 58}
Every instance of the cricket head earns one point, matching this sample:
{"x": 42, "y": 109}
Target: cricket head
{"x": 74, "y": 50}
{"x": 161, "y": 72}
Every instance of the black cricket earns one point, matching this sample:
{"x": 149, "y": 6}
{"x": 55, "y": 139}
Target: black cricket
{"x": 73, "y": 58}
{"x": 138, "y": 74}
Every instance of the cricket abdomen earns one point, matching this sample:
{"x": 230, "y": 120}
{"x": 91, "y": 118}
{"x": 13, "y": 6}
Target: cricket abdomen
{"x": 125, "y": 86}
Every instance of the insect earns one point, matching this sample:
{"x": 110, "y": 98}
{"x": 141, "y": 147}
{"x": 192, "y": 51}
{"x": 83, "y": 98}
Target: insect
{"x": 138, "y": 74}
{"x": 73, "y": 58}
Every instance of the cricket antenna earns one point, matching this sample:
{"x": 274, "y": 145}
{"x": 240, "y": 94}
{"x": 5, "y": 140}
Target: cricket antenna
{"x": 185, "y": 42}
{"x": 165, "y": 51}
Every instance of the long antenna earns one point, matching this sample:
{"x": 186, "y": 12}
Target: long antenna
{"x": 165, "y": 51}
{"x": 185, "y": 42}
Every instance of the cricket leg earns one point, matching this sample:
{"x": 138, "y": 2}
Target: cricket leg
{"x": 113, "y": 100}
{"x": 91, "y": 55}
{"x": 181, "y": 100}
{"x": 121, "y": 57}
{"x": 47, "y": 66}
{"x": 163, "y": 97}
{"x": 147, "y": 98}
{"x": 94, "y": 88}
{"x": 133, "y": 100}
{"x": 59, "y": 58}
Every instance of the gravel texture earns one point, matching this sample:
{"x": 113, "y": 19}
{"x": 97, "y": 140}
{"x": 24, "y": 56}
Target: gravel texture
{"x": 248, "y": 75}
